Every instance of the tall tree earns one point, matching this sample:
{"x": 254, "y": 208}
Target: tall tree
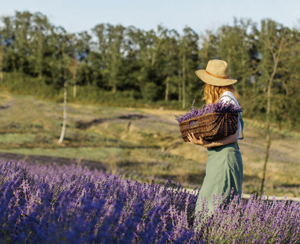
{"x": 170, "y": 55}
{"x": 39, "y": 32}
{"x": 287, "y": 100}
{"x": 274, "y": 39}
{"x": 111, "y": 47}
{"x": 234, "y": 46}
{"x": 149, "y": 52}
{"x": 116, "y": 38}
{"x": 1, "y": 54}
{"x": 9, "y": 62}
{"x": 81, "y": 43}
{"x": 63, "y": 52}
{"x": 189, "y": 57}
{"x": 22, "y": 22}
{"x": 208, "y": 48}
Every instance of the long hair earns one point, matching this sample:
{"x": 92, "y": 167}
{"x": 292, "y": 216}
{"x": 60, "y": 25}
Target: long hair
{"x": 212, "y": 93}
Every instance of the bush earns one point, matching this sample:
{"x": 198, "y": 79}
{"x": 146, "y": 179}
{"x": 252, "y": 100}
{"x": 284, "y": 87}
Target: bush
{"x": 149, "y": 91}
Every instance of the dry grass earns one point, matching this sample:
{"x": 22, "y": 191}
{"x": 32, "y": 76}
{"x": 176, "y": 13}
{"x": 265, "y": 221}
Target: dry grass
{"x": 143, "y": 144}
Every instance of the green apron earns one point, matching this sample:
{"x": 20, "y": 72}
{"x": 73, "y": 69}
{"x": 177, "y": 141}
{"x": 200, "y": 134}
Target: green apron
{"x": 224, "y": 171}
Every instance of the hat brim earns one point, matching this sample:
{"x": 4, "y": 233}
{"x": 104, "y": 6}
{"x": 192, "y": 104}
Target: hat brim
{"x": 206, "y": 78}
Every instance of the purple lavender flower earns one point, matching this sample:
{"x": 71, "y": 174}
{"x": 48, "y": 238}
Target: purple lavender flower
{"x": 219, "y": 107}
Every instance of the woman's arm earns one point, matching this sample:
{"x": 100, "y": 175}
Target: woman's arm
{"x": 224, "y": 141}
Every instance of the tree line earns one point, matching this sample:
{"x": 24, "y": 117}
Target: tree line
{"x": 156, "y": 65}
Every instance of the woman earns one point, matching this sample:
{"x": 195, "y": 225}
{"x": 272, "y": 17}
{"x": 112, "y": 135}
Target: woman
{"x": 224, "y": 168}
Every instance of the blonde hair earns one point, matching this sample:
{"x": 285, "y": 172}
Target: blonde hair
{"x": 212, "y": 93}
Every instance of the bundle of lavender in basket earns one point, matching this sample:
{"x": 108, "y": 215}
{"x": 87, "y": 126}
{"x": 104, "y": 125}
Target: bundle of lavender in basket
{"x": 211, "y": 122}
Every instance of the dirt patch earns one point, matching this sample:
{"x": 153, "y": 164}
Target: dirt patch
{"x": 85, "y": 125}
{"x": 4, "y": 106}
{"x": 132, "y": 116}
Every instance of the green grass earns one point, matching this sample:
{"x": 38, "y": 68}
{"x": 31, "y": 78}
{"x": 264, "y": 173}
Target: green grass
{"x": 16, "y": 138}
{"x": 91, "y": 153}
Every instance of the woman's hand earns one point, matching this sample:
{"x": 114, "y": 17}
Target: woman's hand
{"x": 229, "y": 139}
{"x": 193, "y": 140}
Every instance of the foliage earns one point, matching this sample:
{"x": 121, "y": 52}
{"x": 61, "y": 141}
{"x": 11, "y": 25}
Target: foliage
{"x": 69, "y": 204}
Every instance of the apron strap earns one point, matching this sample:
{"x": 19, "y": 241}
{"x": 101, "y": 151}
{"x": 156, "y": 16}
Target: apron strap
{"x": 240, "y": 116}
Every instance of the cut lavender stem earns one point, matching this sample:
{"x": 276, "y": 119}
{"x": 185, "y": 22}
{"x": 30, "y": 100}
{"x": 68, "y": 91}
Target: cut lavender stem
{"x": 219, "y": 107}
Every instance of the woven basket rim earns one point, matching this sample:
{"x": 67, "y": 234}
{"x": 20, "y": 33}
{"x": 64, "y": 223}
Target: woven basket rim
{"x": 206, "y": 115}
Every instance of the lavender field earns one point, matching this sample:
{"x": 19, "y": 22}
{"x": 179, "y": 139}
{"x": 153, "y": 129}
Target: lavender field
{"x": 69, "y": 204}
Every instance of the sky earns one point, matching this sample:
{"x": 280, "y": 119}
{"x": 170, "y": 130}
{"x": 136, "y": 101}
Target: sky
{"x": 200, "y": 15}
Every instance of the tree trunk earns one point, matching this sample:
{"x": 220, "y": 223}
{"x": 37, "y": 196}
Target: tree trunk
{"x": 268, "y": 140}
{"x": 114, "y": 89}
{"x": 40, "y": 61}
{"x": 63, "y": 131}
{"x": 153, "y": 60}
{"x": 243, "y": 66}
{"x": 179, "y": 88}
{"x": 254, "y": 84}
{"x": 167, "y": 89}
{"x": 74, "y": 86}
{"x": 113, "y": 77}
{"x": 229, "y": 58}
{"x": 244, "y": 78}
{"x": 183, "y": 82}
{"x": 74, "y": 89}
{"x": 1, "y": 59}
{"x": 40, "y": 74}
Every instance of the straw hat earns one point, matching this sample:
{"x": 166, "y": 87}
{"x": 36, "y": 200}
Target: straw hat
{"x": 216, "y": 73}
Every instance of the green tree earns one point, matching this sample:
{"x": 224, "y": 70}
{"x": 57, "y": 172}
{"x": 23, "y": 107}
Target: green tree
{"x": 288, "y": 101}
{"x": 170, "y": 52}
{"x": 208, "y": 48}
{"x": 274, "y": 39}
{"x": 234, "y": 46}
{"x": 149, "y": 53}
{"x": 81, "y": 44}
{"x": 2, "y": 41}
{"x": 111, "y": 47}
{"x": 189, "y": 62}
{"x": 22, "y": 23}
{"x": 63, "y": 53}
{"x": 39, "y": 32}
{"x": 9, "y": 60}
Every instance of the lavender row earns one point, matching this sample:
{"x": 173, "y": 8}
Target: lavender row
{"x": 51, "y": 204}
{"x": 219, "y": 107}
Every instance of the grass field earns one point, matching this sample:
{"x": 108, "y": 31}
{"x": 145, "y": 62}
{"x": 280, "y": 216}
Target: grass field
{"x": 143, "y": 144}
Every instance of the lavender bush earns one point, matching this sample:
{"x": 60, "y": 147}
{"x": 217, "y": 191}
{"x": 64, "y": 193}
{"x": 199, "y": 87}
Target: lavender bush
{"x": 218, "y": 107}
{"x": 52, "y": 204}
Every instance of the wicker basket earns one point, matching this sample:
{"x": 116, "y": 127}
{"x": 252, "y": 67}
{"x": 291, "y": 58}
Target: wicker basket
{"x": 210, "y": 127}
